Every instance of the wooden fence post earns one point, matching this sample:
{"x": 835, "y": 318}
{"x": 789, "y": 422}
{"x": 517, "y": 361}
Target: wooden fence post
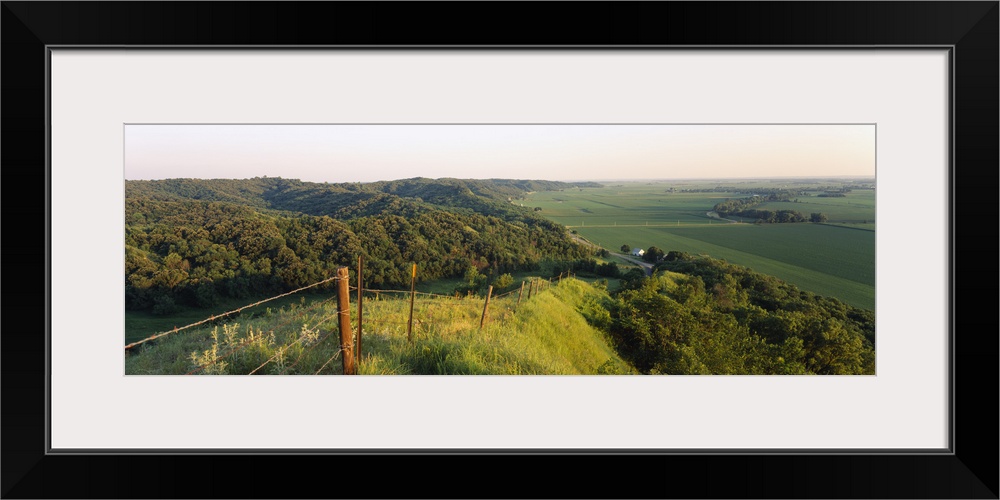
{"x": 344, "y": 310}
{"x": 486, "y": 306}
{"x": 521, "y": 291}
{"x": 413, "y": 284}
{"x": 361, "y": 267}
{"x": 530, "y": 286}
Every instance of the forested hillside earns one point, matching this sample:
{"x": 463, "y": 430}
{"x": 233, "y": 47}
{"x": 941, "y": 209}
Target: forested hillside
{"x": 700, "y": 315}
{"x": 193, "y": 242}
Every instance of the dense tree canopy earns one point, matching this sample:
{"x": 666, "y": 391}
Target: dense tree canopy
{"x": 718, "y": 318}
{"x": 652, "y": 254}
{"x": 191, "y": 242}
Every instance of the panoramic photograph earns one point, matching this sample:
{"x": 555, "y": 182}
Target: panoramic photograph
{"x": 473, "y": 249}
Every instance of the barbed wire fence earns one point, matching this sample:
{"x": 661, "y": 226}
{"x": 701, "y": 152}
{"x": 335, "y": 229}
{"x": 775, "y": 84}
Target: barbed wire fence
{"x": 225, "y": 314}
{"x": 349, "y": 349}
{"x": 251, "y": 339}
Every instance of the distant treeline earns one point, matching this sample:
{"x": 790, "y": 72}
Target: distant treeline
{"x": 193, "y": 242}
{"x": 764, "y": 191}
{"x": 744, "y": 208}
{"x": 719, "y": 318}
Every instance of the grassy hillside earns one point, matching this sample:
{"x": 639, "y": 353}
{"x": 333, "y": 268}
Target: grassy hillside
{"x": 548, "y": 334}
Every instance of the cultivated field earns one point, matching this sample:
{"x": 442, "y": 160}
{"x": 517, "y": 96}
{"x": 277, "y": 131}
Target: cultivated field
{"x": 625, "y": 205}
{"x": 858, "y": 207}
{"x": 835, "y": 259}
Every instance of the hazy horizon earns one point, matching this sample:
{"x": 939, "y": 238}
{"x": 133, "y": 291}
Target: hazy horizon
{"x": 665, "y": 179}
{"x": 571, "y": 153}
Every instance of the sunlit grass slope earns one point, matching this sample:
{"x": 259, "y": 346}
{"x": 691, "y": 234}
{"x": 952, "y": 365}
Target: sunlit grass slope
{"x": 547, "y": 334}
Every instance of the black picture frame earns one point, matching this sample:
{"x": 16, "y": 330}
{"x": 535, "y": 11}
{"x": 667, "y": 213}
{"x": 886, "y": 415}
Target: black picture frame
{"x": 970, "y": 28}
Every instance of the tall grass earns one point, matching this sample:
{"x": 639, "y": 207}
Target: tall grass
{"x": 551, "y": 333}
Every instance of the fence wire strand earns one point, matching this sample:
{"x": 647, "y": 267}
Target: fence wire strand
{"x": 275, "y": 356}
{"x": 376, "y": 290}
{"x": 289, "y": 346}
{"x": 304, "y": 351}
{"x": 217, "y": 316}
{"x": 335, "y": 354}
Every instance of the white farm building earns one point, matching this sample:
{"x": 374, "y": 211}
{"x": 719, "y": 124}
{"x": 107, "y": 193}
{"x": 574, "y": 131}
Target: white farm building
{"x": 638, "y": 252}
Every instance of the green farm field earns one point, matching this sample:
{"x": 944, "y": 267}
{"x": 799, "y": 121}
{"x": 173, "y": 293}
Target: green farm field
{"x": 626, "y": 205}
{"x": 834, "y": 259}
{"x": 857, "y": 207}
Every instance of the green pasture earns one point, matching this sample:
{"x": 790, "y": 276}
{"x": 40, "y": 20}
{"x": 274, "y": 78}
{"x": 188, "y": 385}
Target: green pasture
{"x": 653, "y": 204}
{"x": 835, "y": 259}
{"x": 864, "y": 226}
{"x": 856, "y": 207}
{"x": 625, "y": 205}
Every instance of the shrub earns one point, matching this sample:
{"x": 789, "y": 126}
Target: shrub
{"x": 503, "y": 281}
{"x": 164, "y": 305}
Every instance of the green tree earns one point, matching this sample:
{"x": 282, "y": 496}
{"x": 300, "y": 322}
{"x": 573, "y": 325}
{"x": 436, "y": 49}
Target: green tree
{"x": 472, "y": 275}
{"x": 818, "y": 217}
{"x": 503, "y": 281}
{"x": 632, "y": 278}
{"x": 674, "y": 255}
{"x": 164, "y": 305}
{"x": 626, "y": 248}
{"x": 653, "y": 254}
{"x": 205, "y": 295}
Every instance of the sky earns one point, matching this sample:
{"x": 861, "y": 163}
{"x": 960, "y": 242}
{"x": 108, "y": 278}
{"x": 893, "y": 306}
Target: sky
{"x": 366, "y": 153}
